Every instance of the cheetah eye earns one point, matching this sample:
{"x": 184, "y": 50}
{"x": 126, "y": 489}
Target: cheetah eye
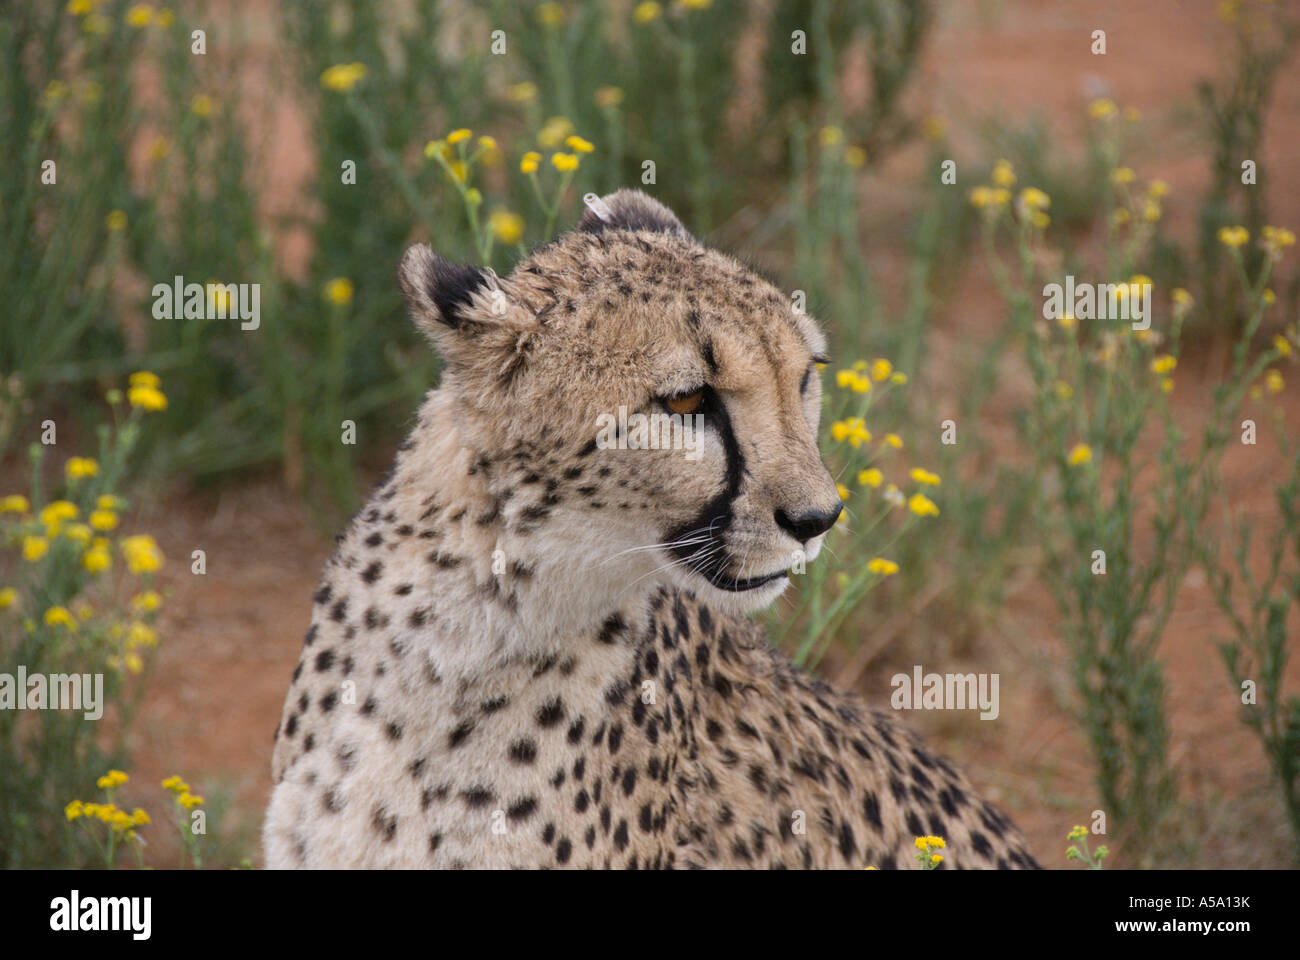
{"x": 686, "y": 403}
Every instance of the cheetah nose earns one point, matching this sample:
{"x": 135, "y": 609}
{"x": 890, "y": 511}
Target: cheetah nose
{"x": 808, "y": 525}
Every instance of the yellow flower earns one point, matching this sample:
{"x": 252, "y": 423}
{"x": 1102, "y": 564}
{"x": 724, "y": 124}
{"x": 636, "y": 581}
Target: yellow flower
{"x": 459, "y": 136}
{"x": 528, "y": 163}
{"x": 106, "y": 501}
{"x": 881, "y": 369}
{"x": 842, "y": 490}
{"x": 899, "y": 378}
{"x": 142, "y": 553}
{"x": 144, "y": 378}
{"x": 1080, "y": 453}
{"x": 97, "y": 559}
{"x": 1273, "y": 381}
{"x": 925, "y": 477}
{"x": 1064, "y": 390}
{"x": 1233, "y": 236}
{"x": 488, "y": 144}
{"x": 1102, "y": 109}
{"x": 339, "y": 291}
{"x": 1167, "y": 385}
{"x": 830, "y": 136}
{"x": 882, "y": 567}
{"x": 507, "y": 227}
{"x": 1268, "y": 296}
{"x": 922, "y": 506}
{"x": 1066, "y": 321}
{"x": 343, "y": 77}
{"x": 103, "y": 519}
{"x": 524, "y": 92}
{"x": 141, "y": 635}
{"x": 608, "y": 96}
{"x": 554, "y": 131}
{"x": 114, "y": 778}
{"x": 146, "y": 602}
{"x": 59, "y": 617}
{"x": 1004, "y": 174}
{"x": 853, "y": 380}
{"x": 74, "y": 810}
{"x": 696, "y": 4}
{"x": 458, "y": 170}
{"x": 870, "y": 477}
{"x": 140, "y": 818}
{"x": 84, "y": 612}
{"x": 647, "y": 11}
{"x": 56, "y": 512}
{"x": 164, "y": 19}
{"x": 78, "y": 533}
{"x": 855, "y": 156}
{"x": 854, "y": 430}
{"x": 550, "y": 14}
{"x": 1163, "y": 364}
{"x": 1031, "y": 198}
{"x": 133, "y": 663}
{"x": 159, "y": 147}
{"x": 1151, "y": 211}
{"x": 79, "y": 8}
{"x": 576, "y": 143}
{"x": 202, "y": 105}
{"x": 34, "y": 548}
{"x": 14, "y": 503}
{"x": 1157, "y": 188}
{"x": 565, "y": 162}
{"x": 8, "y": 597}
{"x": 1282, "y": 345}
{"x": 176, "y": 785}
{"x": 188, "y": 800}
{"x": 894, "y": 440}
{"x": 936, "y": 858}
{"x": 115, "y": 221}
{"x": 147, "y": 398}
{"x": 139, "y": 16}
{"x": 1122, "y": 175}
{"x": 1121, "y": 216}
{"x": 1275, "y": 238}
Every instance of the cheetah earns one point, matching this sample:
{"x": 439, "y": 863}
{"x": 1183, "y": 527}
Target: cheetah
{"x": 532, "y": 649}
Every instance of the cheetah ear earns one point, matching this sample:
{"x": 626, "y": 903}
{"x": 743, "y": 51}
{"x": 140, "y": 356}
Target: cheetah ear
{"x": 442, "y": 294}
{"x": 630, "y": 210}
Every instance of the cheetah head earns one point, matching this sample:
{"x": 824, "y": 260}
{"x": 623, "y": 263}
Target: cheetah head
{"x": 569, "y": 372}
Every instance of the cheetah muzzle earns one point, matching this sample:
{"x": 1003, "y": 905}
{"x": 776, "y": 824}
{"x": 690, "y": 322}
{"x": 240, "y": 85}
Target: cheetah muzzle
{"x": 531, "y": 648}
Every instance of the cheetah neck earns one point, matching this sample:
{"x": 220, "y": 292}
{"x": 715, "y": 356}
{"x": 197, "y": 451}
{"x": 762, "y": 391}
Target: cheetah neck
{"x": 460, "y": 523}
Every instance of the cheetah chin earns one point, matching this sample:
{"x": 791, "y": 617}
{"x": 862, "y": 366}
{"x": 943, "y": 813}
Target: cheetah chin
{"x": 531, "y": 648}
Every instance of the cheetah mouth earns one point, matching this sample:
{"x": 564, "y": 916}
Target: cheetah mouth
{"x": 740, "y": 585}
{"x": 713, "y": 566}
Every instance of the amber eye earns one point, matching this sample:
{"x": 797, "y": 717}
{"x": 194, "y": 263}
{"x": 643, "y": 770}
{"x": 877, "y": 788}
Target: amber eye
{"x": 687, "y": 403}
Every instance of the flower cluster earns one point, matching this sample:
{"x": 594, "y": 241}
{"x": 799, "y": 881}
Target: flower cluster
{"x": 926, "y": 855}
{"x": 64, "y": 588}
